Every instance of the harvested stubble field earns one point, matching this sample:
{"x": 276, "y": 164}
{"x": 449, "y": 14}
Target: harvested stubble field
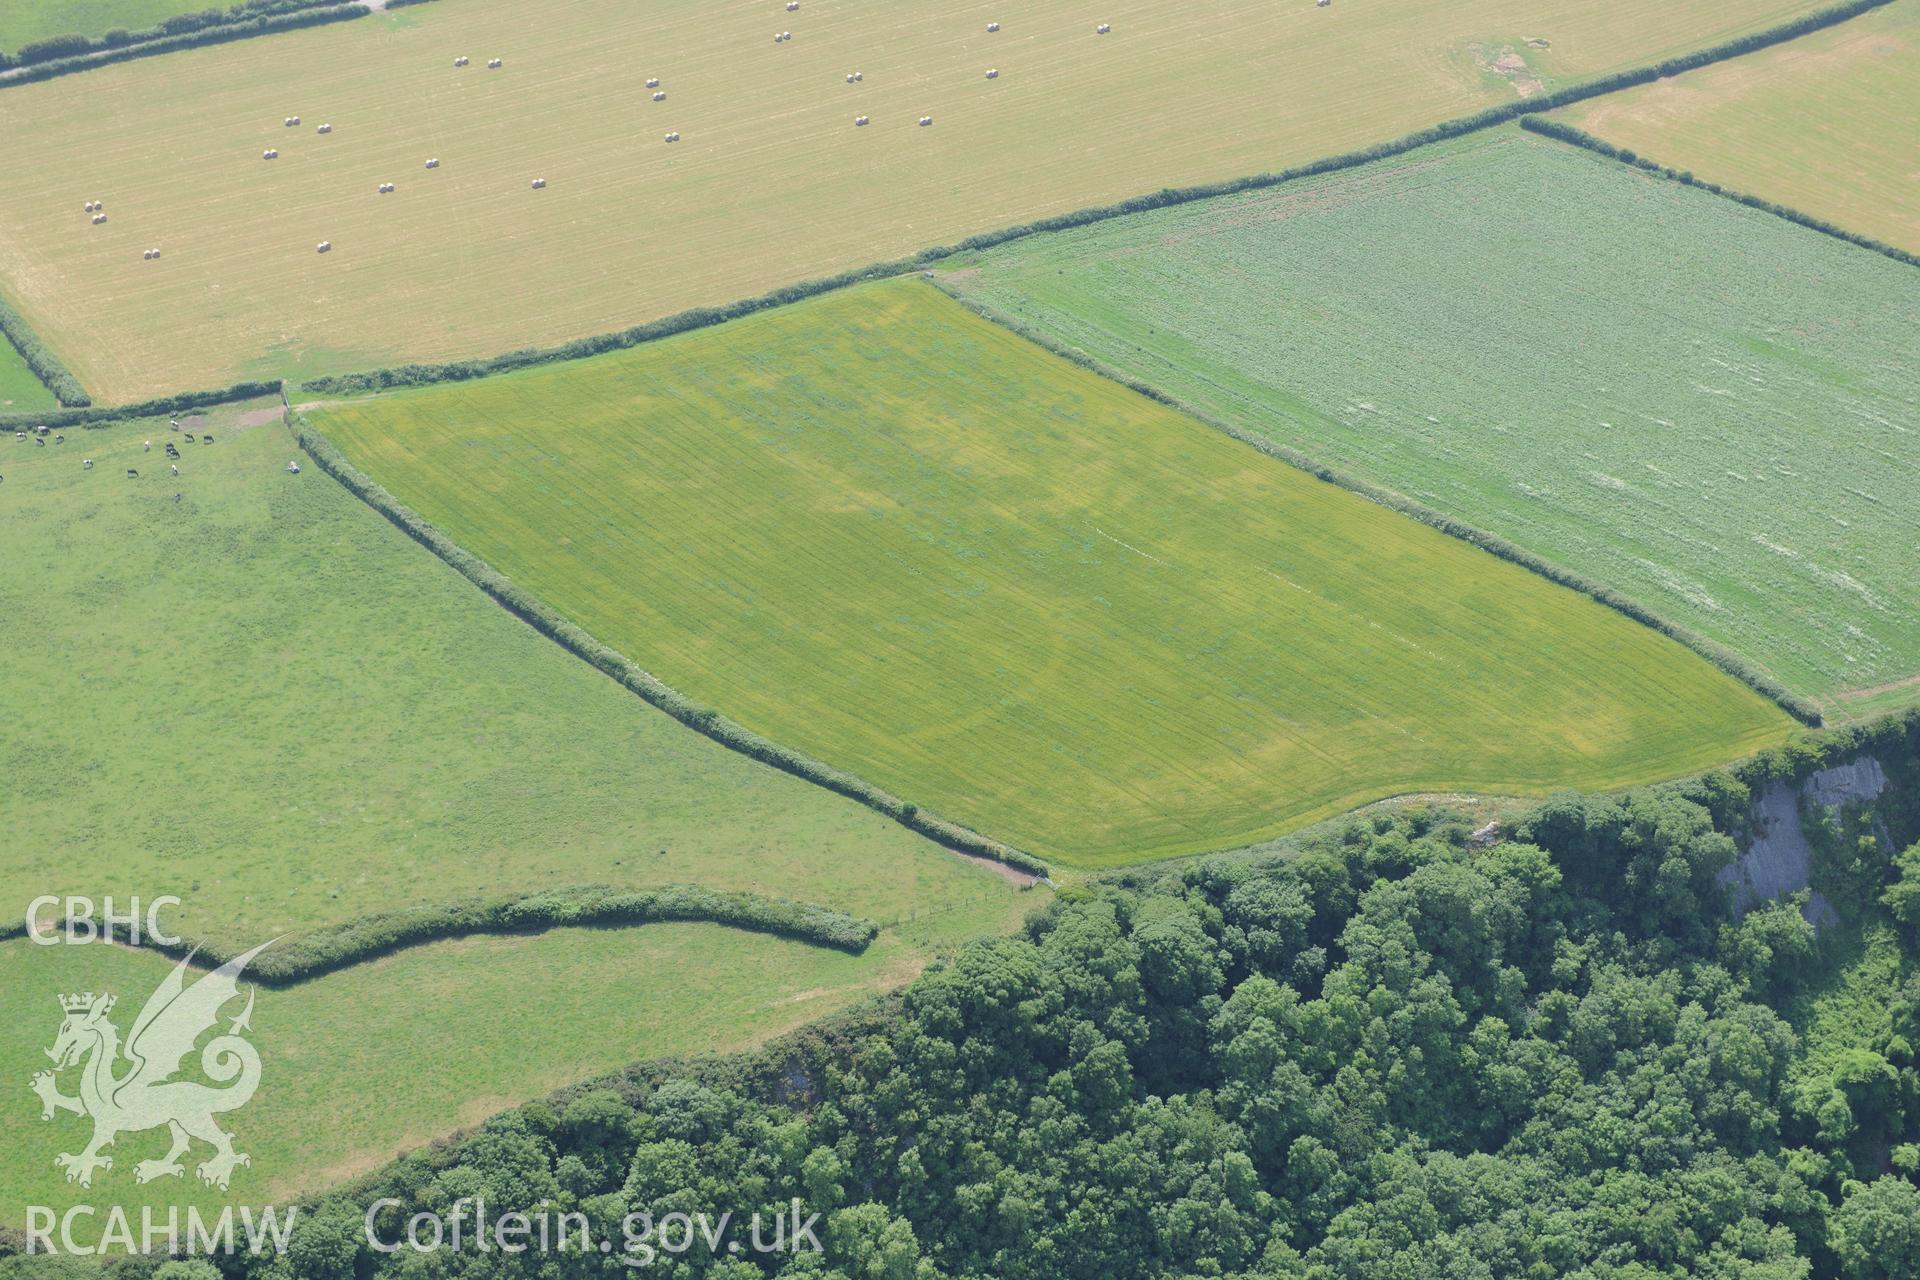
{"x": 771, "y": 182}
{"x": 1828, "y": 124}
{"x": 887, "y": 533}
{"x": 1698, "y": 404}
{"x": 266, "y": 700}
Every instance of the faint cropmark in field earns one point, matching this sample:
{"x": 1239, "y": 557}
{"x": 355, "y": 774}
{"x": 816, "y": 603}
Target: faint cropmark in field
{"x": 146, "y": 1095}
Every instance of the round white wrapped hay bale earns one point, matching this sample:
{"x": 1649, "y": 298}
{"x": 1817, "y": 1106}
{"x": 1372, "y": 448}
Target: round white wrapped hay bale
{"x": 325, "y": 128}
{"x": 993, "y": 73}
{"x": 325, "y": 246}
{"x": 653, "y": 82}
{"x": 659, "y": 95}
{"x": 538, "y": 183}
{"x": 993, "y": 26}
{"x": 859, "y": 120}
{"x": 1103, "y": 28}
{"x": 925, "y": 121}
{"x": 493, "y": 64}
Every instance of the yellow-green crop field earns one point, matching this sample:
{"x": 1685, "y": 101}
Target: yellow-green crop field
{"x": 1828, "y": 124}
{"x": 886, "y": 532}
{"x": 770, "y": 183}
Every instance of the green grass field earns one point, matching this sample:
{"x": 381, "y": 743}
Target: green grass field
{"x": 1828, "y": 124}
{"x": 364, "y": 1063}
{"x": 881, "y": 530}
{"x": 19, "y": 388}
{"x": 771, "y": 183}
{"x": 1701, "y": 405}
{"x": 266, "y": 699}
{"x": 24, "y": 21}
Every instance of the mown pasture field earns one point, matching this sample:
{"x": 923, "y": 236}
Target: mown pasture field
{"x": 1701, "y": 405}
{"x": 885, "y": 532}
{"x": 1828, "y": 124}
{"x": 361, "y": 1064}
{"x": 771, "y": 182}
{"x": 267, "y": 700}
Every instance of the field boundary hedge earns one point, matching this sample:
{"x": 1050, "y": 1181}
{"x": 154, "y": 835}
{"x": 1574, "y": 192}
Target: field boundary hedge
{"x": 368, "y": 937}
{"x": 17, "y": 72}
{"x": 1560, "y": 131}
{"x": 41, "y": 362}
{"x": 421, "y": 374}
{"x": 99, "y": 415}
{"x": 506, "y": 593}
{"x": 1801, "y": 709}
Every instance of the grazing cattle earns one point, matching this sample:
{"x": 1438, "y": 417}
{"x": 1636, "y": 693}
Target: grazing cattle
{"x": 40, "y": 441}
{"x": 132, "y": 474}
{"x": 293, "y": 468}
{"x": 176, "y": 469}
{"x": 206, "y": 439}
{"x": 86, "y": 464}
{"x": 59, "y": 439}
{"x": 147, "y": 447}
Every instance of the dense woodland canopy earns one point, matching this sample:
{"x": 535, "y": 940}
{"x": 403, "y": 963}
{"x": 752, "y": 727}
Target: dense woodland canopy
{"x": 1383, "y": 1053}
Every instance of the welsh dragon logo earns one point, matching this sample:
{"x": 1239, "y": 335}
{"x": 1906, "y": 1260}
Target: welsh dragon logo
{"x": 145, "y": 1095}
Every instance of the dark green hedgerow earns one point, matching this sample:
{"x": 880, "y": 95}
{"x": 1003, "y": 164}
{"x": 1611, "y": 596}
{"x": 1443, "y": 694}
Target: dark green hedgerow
{"x": 368, "y": 937}
{"x": 1563, "y": 132}
{"x": 99, "y": 416}
{"x": 236, "y": 30}
{"x": 570, "y": 637}
{"x": 1793, "y": 704}
{"x": 45, "y": 365}
{"x": 179, "y": 24}
{"x": 700, "y": 317}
